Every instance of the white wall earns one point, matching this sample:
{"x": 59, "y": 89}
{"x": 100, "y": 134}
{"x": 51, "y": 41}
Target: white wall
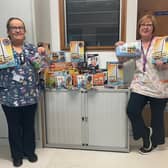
{"x": 42, "y": 21}
{"x": 131, "y": 20}
{"x": 55, "y": 29}
{"x": 17, "y": 8}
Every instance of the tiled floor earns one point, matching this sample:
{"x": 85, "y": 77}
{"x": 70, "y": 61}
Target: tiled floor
{"x": 66, "y": 158}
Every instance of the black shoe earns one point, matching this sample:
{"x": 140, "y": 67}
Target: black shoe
{"x": 154, "y": 146}
{"x": 147, "y": 142}
{"x": 32, "y": 158}
{"x": 145, "y": 151}
{"x": 17, "y": 162}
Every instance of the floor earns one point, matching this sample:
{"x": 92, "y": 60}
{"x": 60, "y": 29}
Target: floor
{"x": 67, "y": 158}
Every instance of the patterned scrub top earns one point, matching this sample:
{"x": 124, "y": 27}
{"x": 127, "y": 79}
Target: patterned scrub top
{"x": 15, "y": 93}
{"x": 151, "y": 82}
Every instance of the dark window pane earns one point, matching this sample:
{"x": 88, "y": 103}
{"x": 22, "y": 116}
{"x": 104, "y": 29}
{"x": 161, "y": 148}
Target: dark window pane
{"x": 94, "y": 21}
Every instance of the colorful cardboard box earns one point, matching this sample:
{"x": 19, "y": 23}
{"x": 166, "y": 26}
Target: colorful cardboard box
{"x": 115, "y": 73}
{"x": 129, "y": 49}
{"x": 6, "y": 54}
{"x": 160, "y": 50}
{"x": 77, "y": 51}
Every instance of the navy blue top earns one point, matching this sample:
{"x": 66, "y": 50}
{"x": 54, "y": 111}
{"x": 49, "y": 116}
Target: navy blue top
{"x": 16, "y": 93}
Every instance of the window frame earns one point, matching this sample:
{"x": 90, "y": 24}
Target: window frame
{"x": 90, "y": 48}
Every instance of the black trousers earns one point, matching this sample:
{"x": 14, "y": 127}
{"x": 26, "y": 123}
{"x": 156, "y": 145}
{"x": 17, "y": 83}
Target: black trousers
{"x": 134, "y": 111}
{"x": 21, "y": 130}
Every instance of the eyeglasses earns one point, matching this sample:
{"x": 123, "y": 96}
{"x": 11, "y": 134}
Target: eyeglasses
{"x": 20, "y": 28}
{"x": 146, "y": 25}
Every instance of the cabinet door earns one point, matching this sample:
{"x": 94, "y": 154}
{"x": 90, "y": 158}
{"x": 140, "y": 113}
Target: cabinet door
{"x": 107, "y": 120}
{"x": 63, "y": 118}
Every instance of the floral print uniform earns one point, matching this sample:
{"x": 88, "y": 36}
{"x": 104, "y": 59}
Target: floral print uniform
{"x": 18, "y": 85}
{"x": 152, "y": 82}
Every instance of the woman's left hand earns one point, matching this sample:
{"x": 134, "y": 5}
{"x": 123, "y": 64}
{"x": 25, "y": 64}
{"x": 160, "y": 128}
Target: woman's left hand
{"x": 160, "y": 65}
{"x": 41, "y": 50}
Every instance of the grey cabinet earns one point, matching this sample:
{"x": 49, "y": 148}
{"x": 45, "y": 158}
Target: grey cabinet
{"x": 93, "y": 119}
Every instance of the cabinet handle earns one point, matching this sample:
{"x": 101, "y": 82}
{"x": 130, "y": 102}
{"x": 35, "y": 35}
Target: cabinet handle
{"x": 84, "y": 144}
{"x": 85, "y": 119}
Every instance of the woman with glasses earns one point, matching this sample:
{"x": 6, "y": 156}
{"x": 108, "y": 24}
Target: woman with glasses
{"x": 147, "y": 87}
{"x": 19, "y": 94}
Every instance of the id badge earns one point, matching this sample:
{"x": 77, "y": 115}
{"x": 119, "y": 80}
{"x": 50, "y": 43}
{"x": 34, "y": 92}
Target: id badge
{"x": 18, "y": 78}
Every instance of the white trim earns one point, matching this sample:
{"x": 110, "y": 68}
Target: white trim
{"x": 34, "y": 38}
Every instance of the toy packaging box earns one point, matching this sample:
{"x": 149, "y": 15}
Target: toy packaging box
{"x": 93, "y": 61}
{"x": 58, "y": 56}
{"x": 60, "y": 66}
{"x": 85, "y": 81}
{"x": 81, "y": 81}
{"x": 115, "y": 73}
{"x": 160, "y": 50}
{"x": 68, "y": 81}
{"x": 6, "y": 54}
{"x": 77, "y": 51}
{"x": 98, "y": 79}
{"x": 89, "y": 81}
{"x": 50, "y": 80}
{"x": 60, "y": 81}
{"x": 129, "y": 49}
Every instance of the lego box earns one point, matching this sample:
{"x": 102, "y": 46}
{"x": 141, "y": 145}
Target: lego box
{"x": 77, "y": 51}
{"x": 85, "y": 81}
{"x": 130, "y": 49}
{"x": 6, "y": 54}
{"x": 160, "y": 50}
{"x": 114, "y": 73}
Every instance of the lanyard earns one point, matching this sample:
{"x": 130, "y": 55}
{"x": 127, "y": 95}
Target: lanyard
{"x": 145, "y": 54}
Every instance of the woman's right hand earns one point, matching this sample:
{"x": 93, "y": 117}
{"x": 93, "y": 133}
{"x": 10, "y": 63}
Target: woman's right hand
{"x": 41, "y": 50}
{"x": 121, "y": 59}
{"x": 118, "y": 43}
{"x": 160, "y": 65}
